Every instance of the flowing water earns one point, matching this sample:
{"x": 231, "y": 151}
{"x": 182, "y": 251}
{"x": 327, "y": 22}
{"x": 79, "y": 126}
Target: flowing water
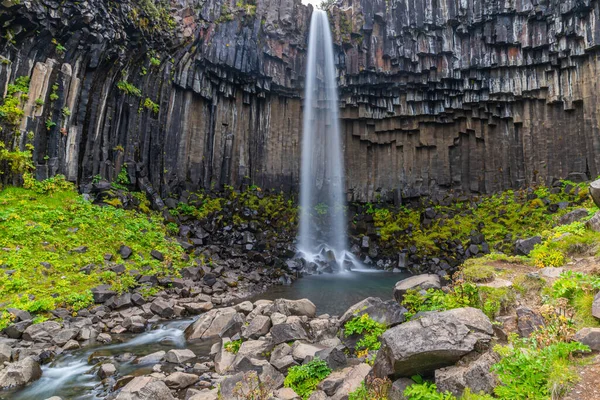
{"x": 322, "y": 233}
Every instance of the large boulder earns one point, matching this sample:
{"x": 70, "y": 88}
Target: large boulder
{"x": 259, "y": 326}
{"x": 528, "y": 321}
{"x": 145, "y": 388}
{"x": 352, "y": 381}
{"x": 573, "y": 216}
{"x": 20, "y": 373}
{"x": 475, "y": 375}
{"x": 388, "y": 312}
{"x": 594, "y": 222}
{"x": 43, "y": 332}
{"x": 212, "y": 324}
{"x": 418, "y": 282}
{"x": 436, "y": 340}
{"x": 288, "y": 332}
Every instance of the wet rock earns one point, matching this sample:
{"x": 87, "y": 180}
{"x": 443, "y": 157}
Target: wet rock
{"x": 104, "y": 338}
{"x": 528, "y": 321}
{"x": 181, "y": 380}
{"x": 288, "y": 332}
{"x": 145, "y": 388}
{"x": 61, "y": 337}
{"x": 590, "y": 337}
{"x": 20, "y": 373}
{"x": 198, "y": 308}
{"x": 524, "y": 246}
{"x": 152, "y": 358}
{"x": 71, "y": 345}
{"x": 121, "y": 301}
{"x": 107, "y": 370}
{"x": 162, "y": 308}
{"x": 436, "y": 340}
{"x": 418, "y": 282}
{"x": 180, "y": 356}
{"x": 388, "y": 312}
{"x": 135, "y": 324}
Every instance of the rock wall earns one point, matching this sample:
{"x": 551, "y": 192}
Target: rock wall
{"x": 436, "y": 95}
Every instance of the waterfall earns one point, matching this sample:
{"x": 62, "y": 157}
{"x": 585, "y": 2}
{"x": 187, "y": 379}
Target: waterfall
{"x": 322, "y": 235}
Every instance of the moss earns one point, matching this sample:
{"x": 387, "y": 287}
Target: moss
{"x": 129, "y": 89}
{"x": 43, "y": 227}
{"x": 477, "y": 270}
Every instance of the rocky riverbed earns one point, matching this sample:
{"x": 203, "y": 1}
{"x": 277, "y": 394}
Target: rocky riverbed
{"x": 194, "y": 360}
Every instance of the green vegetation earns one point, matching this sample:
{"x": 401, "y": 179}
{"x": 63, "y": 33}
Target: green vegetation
{"x": 372, "y": 389}
{"x": 129, "y": 89}
{"x": 150, "y": 105}
{"x": 10, "y": 111}
{"x": 428, "y": 391}
{"x": 368, "y": 328}
{"x": 530, "y": 371}
{"x": 54, "y": 93}
{"x": 152, "y": 15}
{"x": 574, "y": 292}
{"x": 60, "y": 49}
{"x": 508, "y": 214}
{"x": 461, "y": 295}
{"x": 226, "y": 14}
{"x": 51, "y": 233}
{"x": 233, "y": 346}
{"x": 303, "y": 379}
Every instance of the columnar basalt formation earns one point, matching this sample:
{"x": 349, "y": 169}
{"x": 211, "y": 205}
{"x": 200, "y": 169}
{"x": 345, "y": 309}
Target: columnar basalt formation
{"x": 436, "y": 95}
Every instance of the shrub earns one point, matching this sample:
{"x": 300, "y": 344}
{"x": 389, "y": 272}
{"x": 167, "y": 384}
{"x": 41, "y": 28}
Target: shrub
{"x": 477, "y": 271}
{"x": 129, "y": 89}
{"x": 461, "y": 295}
{"x": 303, "y": 379}
{"x": 371, "y": 389}
{"x": 368, "y": 328}
{"x": 152, "y": 106}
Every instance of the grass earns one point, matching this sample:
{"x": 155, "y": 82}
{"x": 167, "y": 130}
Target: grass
{"x": 40, "y": 236}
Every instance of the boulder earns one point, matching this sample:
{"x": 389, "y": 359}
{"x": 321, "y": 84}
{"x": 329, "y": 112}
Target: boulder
{"x": 211, "y": 324}
{"x": 224, "y": 359}
{"x": 20, "y": 373}
{"x": 198, "y": 308}
{"x": 145, "y": 388}
{"x": 255, "y": 348}
{"x": 528, "y": 321}
{"x": 15, "y": 331}
{"x": 475, "y": 375}
{"x": 163, "y": 308}
{"x": 388, "y": 312}
{"x": 594, "y": 222}
{"x": 102, "y": 293}
{"x": 333, "y": 356}
{"x": 41, "y": 332}
{"x": 107, "y": 370}
{"x": 596, "y": 306}
{"x": 590, "y": 337}
{"x": 259, "y": 326}
{"x": 333, "y": 382}
{"x": 5, "y": 353}
{"x": 524, "y": 246}
{"x": 300, "y": 350}
{"x": 286, "y": 394}
{"x": 288, "y": 332}
{"x": 302, "y": 307}
{"x": 573, "y": 216}
{"x": 181, "y": 380}
{"x": 206, "y": 394}
{"x": 179, "y": 356}
{"x": 595, "y": 191}
{"x": 436, "y": 340}
{"x": 152, "y": 358}
{"x": 135, "y": 324}
{"x": 419, "y": 282}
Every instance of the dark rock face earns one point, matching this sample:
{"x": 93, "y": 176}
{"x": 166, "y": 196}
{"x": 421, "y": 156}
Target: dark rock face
{"x": 480, "y": 98}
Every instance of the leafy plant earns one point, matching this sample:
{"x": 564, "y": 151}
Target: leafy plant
{"x": 129, "y": 89}
{"x": 233, "y": 346}
{"x": 368, "y": 328}
{"x": 529, "y": 371}
{"x": 303, "y": 379}
{"x": 461, "y": 295}
{"x": 371, "y": 389}
{"x": 152, "y": 106}
{"x": 50, "y": 124}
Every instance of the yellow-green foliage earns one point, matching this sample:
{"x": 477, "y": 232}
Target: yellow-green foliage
{"x": 129, "y": 89}
{"x": 10, "y": 110}
{"x": 45, "y": 225}
{"x": 476, "y": 270}
{"x": 152, "y": 106}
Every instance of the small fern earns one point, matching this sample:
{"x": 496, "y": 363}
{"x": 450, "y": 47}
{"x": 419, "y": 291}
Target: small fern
{"x": 303, "y": 379}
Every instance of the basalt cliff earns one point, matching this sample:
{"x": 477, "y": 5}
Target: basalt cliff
{"x": 471, "y": 96}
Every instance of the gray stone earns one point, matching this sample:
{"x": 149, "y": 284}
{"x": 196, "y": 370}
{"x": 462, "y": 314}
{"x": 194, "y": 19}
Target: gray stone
{"x": 396, "y": 392}
{"x": 179, "y": 356}
{"x": 573, "y": 216}
{"x": 224, "y": 359}
{"x": 20, "y": 373}
{"x": 590, "y": 337}
{"x": 41, "y": 332}
{"x": 388, "y": 312}
{"x": 259, "y": 326}
{"x": 475, "y": 375}
{"x": 152, "y": 358}
{"x": 5, "y": 353}
{"x": 286, "y": 394}
{"x": 524, "y": 246}
{"x": 352, "y": 381}
{"x": 418, "y": 282}
{"x": 595, "y": 191}
{"x": 102, "y": 293}
{"x": 333, "y": 382}
{"x": 15, "y": 331}
{"x": 145, "y": 388}
{"x": 181, "y": 380}
{"x": 107, "y": 370}
{"x": 198, "y": 308}
{"x": 206, "y": 394}
{"x": 288, "y": 332}
{"x": 436, "y": 340}
{"x": 162, "y": 308}
{"x": 210, "y": 324}
{"x": 334, "y": 357}
{"x": 528, "y": 321}
{"x": 302, "y": 307}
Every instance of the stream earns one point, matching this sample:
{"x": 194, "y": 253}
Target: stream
{"x": 70, "y": 376}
